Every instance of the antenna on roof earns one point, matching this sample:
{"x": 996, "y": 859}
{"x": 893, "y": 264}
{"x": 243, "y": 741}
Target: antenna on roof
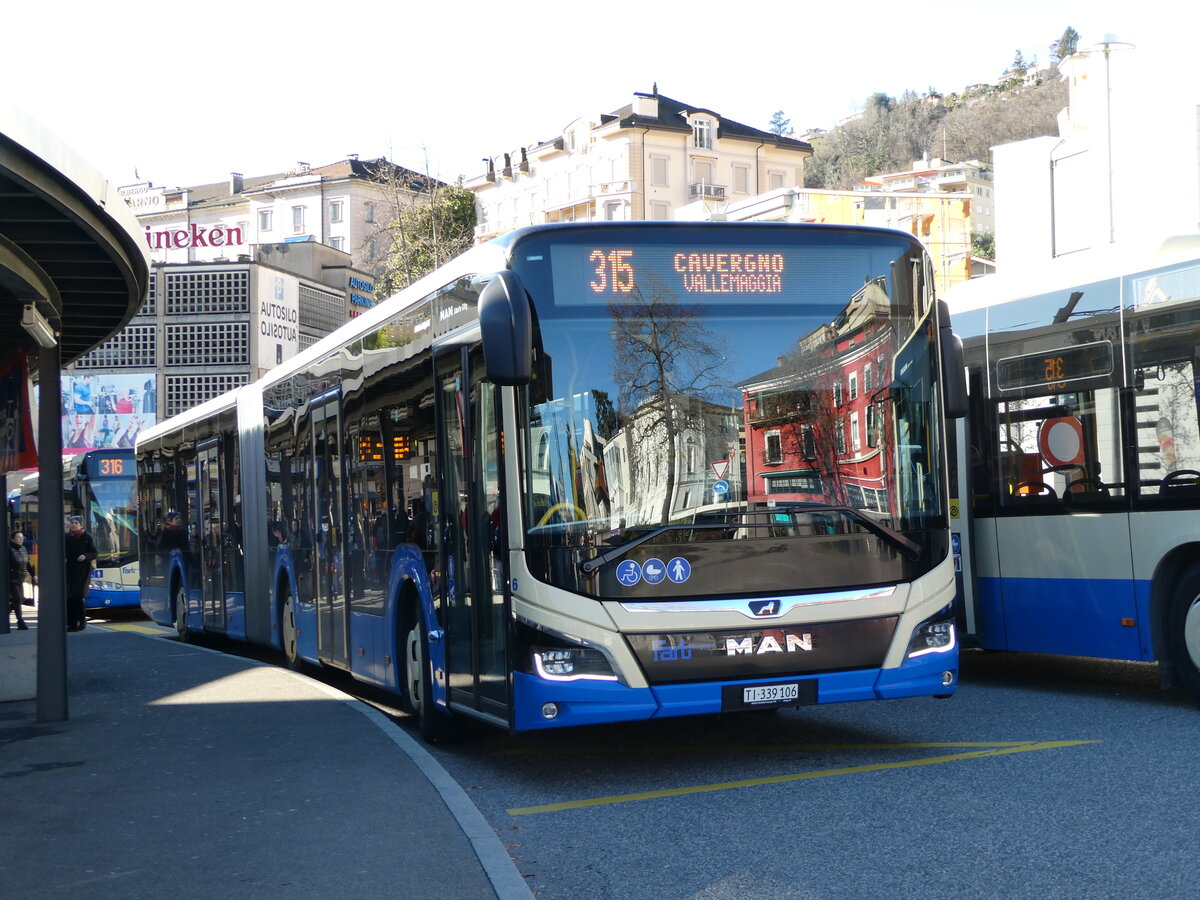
{"x": 654, "y": 90}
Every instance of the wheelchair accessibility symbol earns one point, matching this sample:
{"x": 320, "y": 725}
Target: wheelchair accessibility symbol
{"x": 629, "y": 573}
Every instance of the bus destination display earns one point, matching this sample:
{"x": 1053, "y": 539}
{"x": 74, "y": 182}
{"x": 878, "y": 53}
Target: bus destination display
{"x": 1054, "y": 369}
{"x": 584, "y": 274}
{"x": 100, "y": 465}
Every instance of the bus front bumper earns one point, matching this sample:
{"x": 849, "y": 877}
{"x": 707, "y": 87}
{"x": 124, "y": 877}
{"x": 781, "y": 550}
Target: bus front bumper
{"x": 540, "y": 703}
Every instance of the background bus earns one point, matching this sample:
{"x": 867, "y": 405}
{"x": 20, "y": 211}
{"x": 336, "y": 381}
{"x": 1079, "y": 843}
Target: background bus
{"x": 99, "y": 485}
{"x": 1082, "y": 460}
{"x": 494, "y": 493}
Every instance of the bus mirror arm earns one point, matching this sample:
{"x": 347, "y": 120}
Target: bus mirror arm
{"x": 506, "y": 325}
{"x": 954, "y": 375}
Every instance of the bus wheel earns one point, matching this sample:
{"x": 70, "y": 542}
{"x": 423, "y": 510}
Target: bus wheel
{"x": 179, "y": 604}
{"x": 1183, "y": 630}
{"x": 435, "y": 725}
{"x": 287, "y": 632}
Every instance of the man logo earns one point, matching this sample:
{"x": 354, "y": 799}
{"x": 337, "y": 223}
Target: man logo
{"x": 764, "y": 607}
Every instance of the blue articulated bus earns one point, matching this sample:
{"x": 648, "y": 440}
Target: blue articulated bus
{"x": 589, "y": 473}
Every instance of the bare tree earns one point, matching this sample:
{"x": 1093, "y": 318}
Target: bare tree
{"x": 664, "y": 361}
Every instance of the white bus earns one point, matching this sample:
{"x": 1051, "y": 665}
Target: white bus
{"x": 1079, "y": 463}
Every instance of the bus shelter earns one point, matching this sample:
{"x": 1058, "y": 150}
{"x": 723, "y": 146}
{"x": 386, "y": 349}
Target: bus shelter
{"x": 73, "y": 272}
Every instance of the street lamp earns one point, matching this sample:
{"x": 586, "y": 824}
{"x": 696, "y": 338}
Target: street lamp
{"x": 1107, "y": 45}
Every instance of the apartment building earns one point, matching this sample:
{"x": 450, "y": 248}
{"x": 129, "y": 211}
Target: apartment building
{"x": 943, "y": 222}
{"x": 344, "y": 205}
{"x": 971, "y": 178}
{"x": 205, "y": 328}
{"x": 645, "y": 160}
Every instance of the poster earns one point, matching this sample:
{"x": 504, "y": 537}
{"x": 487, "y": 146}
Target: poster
{"x": 106, "y": 410}
{"x": 17, "y": 449}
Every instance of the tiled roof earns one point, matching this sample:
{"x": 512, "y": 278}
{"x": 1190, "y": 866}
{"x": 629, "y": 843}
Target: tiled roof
{"x": 672, "y": 115}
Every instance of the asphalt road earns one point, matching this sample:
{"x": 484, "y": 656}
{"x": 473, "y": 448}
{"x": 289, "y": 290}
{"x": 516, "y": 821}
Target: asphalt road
{"x": 1043, "y": 776}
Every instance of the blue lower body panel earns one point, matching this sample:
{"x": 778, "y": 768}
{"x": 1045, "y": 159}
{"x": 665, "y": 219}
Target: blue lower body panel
{"x": 1096, "y": 617}
{"x": 98, "y": 598}
{"x": 596, "y": 702}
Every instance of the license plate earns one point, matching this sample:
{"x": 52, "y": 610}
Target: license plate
{"x": 790, "y": 693}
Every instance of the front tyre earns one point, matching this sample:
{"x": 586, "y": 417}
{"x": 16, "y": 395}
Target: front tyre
{"x": 435, "y": 725}
{"x": 1183, "y": 630}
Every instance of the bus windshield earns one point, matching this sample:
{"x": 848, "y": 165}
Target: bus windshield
{"x": 112, "y": 519}
{"x": 700, "y": 384}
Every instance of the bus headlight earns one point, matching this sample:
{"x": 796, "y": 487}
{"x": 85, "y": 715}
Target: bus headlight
{"x": 934, "y": 635}
{"x": 106, "y": 585}
{"x": 571, "y": 664}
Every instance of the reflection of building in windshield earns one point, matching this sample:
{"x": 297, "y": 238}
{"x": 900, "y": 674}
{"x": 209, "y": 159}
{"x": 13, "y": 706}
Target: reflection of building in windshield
{"x": 639, "y": 454}
{"x": 815, "y": 429}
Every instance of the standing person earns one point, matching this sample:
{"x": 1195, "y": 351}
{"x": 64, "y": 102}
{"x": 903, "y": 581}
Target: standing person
{"x": 19, "y": 568}
{"x": 80, "y": 552}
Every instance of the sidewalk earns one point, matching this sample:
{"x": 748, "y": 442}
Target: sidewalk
{"x": 186, "y": 773}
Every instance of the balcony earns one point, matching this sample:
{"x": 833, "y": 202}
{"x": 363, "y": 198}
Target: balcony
{"x": 702, "y": 191}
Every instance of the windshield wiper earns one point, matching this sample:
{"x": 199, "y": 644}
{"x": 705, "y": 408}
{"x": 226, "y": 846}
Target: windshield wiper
{"x": 910, "y": 547}
{"x": 588, "y": 566}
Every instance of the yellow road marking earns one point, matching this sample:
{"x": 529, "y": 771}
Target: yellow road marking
{"x": 140, "y": 629}
{"x": 801, "y": 776}
{"x": 759, "y": 748}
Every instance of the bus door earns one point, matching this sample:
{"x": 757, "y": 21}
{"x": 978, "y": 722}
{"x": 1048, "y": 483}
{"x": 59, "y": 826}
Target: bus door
{"x": 474, "y": 599}
{"x": 212, "y": 543}
{"x": 329, "y": 518}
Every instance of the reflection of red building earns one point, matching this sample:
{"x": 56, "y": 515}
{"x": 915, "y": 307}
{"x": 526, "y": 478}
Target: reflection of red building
{"x": 813, "y": 432}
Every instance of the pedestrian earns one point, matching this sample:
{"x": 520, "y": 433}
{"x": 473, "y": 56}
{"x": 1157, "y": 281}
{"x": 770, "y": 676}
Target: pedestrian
{"x": 81, "y": 559}
{"x": 19, "y": 568}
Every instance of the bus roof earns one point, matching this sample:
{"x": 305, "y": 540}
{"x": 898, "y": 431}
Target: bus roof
{"x": 1067, "y": 272}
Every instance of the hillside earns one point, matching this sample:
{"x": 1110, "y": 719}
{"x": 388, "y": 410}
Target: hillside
{"x": 890, "y": 134}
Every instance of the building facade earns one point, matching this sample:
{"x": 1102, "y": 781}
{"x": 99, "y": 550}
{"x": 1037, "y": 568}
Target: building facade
{"x": 206, "y": 328}
{"x": 346, "y": 205}
{"x": 645, "y": 160}
{"x": 246, "y": 273}
{"x": 943, "y": 222}
{"x": 972, "y": 179}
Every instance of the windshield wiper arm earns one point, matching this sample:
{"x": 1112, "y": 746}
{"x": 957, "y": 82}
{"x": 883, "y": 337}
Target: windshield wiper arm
{"x": 588, "y": 566}
{"x": 910, "y": 547}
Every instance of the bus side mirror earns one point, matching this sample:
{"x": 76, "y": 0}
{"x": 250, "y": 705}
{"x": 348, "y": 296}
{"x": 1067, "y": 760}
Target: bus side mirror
{"x": 954, "y": 373}
{"x": 506, "y": 325}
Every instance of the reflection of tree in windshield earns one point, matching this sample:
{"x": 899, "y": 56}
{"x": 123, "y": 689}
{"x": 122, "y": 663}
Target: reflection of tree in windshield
{"x": 666, "y": 363}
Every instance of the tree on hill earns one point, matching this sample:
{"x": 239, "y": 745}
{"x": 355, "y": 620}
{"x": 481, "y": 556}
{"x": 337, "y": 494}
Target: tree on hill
{"x": 1065, "y": 46}
{"x": 888, "y": 135}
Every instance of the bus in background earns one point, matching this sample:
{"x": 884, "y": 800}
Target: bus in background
{"x": 1080, "y": 460}
{"x": 99, "y": 485}
{"x": 589, "y": 473}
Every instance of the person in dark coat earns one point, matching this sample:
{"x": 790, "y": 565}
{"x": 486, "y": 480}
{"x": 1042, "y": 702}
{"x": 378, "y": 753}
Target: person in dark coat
{"x": 80, "y": 552}
{"x": 19, "y": 568}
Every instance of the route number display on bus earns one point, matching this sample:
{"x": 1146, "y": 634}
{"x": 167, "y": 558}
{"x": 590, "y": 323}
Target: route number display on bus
{"x": 100, "y": 465}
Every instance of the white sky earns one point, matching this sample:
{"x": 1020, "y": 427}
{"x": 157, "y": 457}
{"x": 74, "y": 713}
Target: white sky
{"x": 185, "y": 93}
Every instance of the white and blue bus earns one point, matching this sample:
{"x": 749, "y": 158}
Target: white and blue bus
{"x": 1080, "y": 459}
{"x": 100, "y": 486}
{"x": 589, "y": 473}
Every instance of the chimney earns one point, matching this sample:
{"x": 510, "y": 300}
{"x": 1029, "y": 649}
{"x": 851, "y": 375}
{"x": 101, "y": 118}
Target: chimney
{"x": 645, "y": 105}
{"x": 235, "y": 182}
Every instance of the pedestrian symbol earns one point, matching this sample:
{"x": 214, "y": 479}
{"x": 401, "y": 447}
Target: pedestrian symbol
{"x": 679, "y": 570}
{"x": 629, "y": 573}
{"x": 653, "y": 571}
